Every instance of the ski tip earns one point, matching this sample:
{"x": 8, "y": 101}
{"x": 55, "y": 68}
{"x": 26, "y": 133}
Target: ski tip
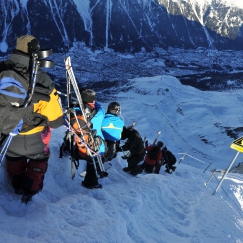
{"x": 67, "y": 61}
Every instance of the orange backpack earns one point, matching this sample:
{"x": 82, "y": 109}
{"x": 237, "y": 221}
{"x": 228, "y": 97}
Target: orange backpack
{"x": 86, "y": 132}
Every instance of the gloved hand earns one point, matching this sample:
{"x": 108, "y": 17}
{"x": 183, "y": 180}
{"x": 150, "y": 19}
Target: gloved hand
{"x": 97, "y": 141}
{"x": 118, "y": 149}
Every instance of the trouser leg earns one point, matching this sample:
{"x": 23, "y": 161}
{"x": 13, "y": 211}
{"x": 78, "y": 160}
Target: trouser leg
{"x": 35, "y": 174}
{"x": 149, "y": 168}
{"x": 157, "y": 168}
{"x": 16, "y": 167}
{"x": 90, "y": 177}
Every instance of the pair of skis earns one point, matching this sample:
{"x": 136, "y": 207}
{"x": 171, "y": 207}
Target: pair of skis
{"x": 96, "y": 159}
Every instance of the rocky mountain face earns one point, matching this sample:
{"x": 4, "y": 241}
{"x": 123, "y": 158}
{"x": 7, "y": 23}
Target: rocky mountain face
{"x": 122, "y": 25}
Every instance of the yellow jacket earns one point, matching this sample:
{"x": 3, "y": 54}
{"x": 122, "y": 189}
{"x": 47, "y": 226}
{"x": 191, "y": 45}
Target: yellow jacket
{"x": 51, "y": 115}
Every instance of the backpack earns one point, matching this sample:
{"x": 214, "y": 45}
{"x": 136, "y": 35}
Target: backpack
{"x": 153, "y": 153}
{"x": 88, "y": 136}
{"x": 14, "y": 84}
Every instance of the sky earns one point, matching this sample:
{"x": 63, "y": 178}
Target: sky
{"x": 149, "y": 208}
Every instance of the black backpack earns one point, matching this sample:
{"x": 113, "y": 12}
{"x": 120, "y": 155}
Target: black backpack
{"x": 153, "y": 153}
{"x": 13, "y": 93}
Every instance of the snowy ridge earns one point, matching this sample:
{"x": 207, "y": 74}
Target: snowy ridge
{"x": 150, "y": 207}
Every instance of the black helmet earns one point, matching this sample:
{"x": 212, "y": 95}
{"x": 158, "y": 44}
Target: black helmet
{"x": 160, "y": 144}
{"x": 165, "y": 149}
{"x": 114, "y": 108}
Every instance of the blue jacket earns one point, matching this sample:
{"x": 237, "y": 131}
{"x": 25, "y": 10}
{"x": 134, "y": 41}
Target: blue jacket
{"x": 97, "y": 121}
{"x": 112, "y": 126}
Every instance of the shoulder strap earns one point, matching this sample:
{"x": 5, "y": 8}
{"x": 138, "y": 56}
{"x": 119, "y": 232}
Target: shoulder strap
{"x": 9, "y": 65}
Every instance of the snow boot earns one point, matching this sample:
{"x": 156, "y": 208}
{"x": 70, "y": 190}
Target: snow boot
{"x": 18, "y": 191}
{"x": 136, "y": 170}
{"x": 126, "y": 169}
{"x": 173, "y": 167}
{"x": 26, "y": 198}
{"x": 97, "y": 186}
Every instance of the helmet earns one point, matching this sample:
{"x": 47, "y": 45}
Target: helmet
{"x": 114, "y": 108}
{"x": 88, "y": 96}
{"x": 165, "y": 149}
{"x": 160, "y": 144}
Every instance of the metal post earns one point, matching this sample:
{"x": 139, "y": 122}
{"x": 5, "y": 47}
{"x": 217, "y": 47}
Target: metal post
{"x": 232, "y": 162}
{"x": 182, "y": 157}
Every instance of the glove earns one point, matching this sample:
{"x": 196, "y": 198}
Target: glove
{"x": 118, "y": 149}
{"x": 97, "y": 141}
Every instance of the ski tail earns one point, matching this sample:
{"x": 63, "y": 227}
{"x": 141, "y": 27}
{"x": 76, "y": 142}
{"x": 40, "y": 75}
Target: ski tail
{"x": 156, "y": 138}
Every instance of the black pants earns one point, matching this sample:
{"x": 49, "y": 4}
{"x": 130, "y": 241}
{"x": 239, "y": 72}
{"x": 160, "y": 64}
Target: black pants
{"x": 111, "y": 150}
{"x": 133, "y": 162}
{"x": 148, "y": 168}
{"x": 90, "y": 177}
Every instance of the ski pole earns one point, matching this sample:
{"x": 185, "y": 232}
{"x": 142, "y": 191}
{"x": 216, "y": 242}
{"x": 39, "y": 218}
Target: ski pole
{"x": 182, "y": 157}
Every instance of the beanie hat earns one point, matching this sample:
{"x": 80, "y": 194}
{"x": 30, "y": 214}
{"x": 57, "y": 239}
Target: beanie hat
{"x": 27, "y": 44}
{"x": 114, "y": 108}
{"x": 160, "y": 144}
{"x": 88, "y": 95}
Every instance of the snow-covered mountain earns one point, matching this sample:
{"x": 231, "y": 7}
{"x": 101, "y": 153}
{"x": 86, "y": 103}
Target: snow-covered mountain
{"x": 124, "y": 25}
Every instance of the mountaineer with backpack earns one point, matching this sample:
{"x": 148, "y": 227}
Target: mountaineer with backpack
{"x": 134, "y": 144}
{"x": 112, "y": 126}
{"x": 28, "y": 153}
{"x": 91, "y": 135}
{"x": 168, "y": 159}
{"x": 153, "y": 156}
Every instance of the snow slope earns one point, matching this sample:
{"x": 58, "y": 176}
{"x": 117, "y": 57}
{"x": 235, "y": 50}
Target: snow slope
{"x": 147, "y": 208}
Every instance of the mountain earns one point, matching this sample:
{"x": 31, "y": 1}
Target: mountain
{"x": 123, "y": 25}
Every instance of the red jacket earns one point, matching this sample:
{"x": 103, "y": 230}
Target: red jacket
{"x": 150, "y": 161}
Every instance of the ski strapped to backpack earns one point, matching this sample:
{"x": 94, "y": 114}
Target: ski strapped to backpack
{"x": 90, "y": 146}
{"x": 156, "y": 138}
{"x": 153, "y": 153}
{"x": 72, "y": 141}
{"x": 24, "y": 94}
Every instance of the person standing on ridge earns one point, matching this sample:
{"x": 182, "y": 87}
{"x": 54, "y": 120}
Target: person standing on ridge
{"x": 28, "y": 153}
{"x": 112, "y": 126}
{"x": 95, "y": 115}
{"x": 135, "y": 146}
